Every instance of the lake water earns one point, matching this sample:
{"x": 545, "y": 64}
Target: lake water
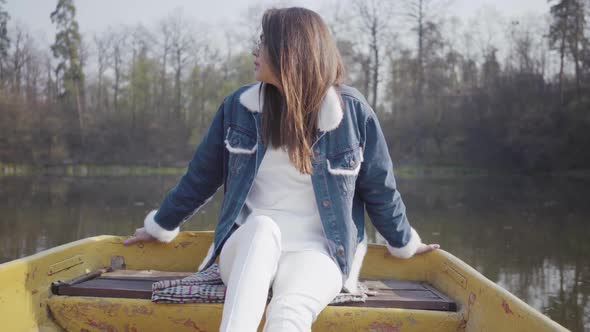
{"x": 528, "y": 234}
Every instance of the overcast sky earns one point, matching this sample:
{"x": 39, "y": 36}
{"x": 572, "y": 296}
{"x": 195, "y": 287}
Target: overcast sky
{"x": 95, "y": 16}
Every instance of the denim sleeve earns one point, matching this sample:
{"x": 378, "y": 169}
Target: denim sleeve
{"x": 377, "y": 188}
{"x": 196, "y": 187}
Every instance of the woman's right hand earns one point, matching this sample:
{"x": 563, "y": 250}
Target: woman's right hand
{"x": 140, "y": 235}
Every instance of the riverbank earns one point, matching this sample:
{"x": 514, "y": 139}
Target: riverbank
{"x": 7, "y": 169}
{"x": 406, "y": 172}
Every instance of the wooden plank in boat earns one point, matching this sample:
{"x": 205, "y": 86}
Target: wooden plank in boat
{"x": 407, "y": 300}
{"x": 107, "y": 287}
{"x": 138, "y": 285}
{"x": 393, "y": 284}
{"x": 145, "y": 274}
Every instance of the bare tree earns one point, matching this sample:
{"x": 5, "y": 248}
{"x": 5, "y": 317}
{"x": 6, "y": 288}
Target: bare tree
{"x": 18, "y": 57}
{"x": 103, "y": 44}
{"x": 557, "y": 38}
{"x": 176, "y": 39}
{"x": 424, "y": 16}
{"x": 164, "y": 46}
{"x": 577, "y": 39}
{"x": 375, "y": 23}
{"x": 33, "y": 70}
{"x": 50, "y": 89}
{"x": 567, "y": 35}
{"x": 4, "y": 41}
{"x": 118, "y": 49}
{"x": 182, "y": 43}
{"x": 140, "y": 39}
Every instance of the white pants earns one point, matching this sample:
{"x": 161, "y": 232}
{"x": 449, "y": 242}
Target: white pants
{"x": 251, "y": 261}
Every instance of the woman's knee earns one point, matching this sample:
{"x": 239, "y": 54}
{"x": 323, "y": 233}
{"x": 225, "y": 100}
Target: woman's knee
{"x": 291, "y": 312}
{"x": 258, "y": 235}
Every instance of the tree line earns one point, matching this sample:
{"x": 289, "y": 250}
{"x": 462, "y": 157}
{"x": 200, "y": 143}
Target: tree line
{"x": 490, "y": 91}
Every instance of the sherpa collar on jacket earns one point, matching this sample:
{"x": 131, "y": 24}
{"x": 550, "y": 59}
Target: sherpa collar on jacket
{"x": 329, "y": 116}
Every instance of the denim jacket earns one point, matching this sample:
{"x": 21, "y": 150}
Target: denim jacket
{"x": 352, "y": 171}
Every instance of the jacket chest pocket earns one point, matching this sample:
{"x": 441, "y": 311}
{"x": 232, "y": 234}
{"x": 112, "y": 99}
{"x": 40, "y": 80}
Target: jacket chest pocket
{"x": 345, "y": 166}
{"x": 241, "y": 146}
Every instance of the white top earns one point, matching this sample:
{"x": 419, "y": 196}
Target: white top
{"x": 285, "y": 195}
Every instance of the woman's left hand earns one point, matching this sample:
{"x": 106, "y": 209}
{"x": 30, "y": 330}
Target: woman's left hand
{"x": 423, "y": 248}
{"x": 140, "y": 235}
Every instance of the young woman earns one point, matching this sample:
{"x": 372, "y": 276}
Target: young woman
{"x": 300, "y": 157}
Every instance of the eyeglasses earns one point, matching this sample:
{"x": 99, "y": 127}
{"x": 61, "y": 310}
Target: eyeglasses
{"x": 259, "y": 43}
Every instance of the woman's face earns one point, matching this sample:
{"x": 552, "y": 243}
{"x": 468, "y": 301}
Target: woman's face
{"x": 262, "y": 71}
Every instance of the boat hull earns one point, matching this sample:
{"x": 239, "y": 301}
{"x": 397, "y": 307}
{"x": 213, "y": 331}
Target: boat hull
{"x": 27, "y": 304}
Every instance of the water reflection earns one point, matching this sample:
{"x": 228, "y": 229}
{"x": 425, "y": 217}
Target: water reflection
{"x": 527, "y": 234}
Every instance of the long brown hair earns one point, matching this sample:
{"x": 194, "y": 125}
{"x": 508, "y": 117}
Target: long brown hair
{"x": 306, "y": 61}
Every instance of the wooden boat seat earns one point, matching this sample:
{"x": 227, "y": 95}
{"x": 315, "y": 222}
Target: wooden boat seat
{"x": 137, "y": 284}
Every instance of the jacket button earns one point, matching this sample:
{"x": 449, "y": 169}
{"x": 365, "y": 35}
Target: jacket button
{"x": 340, "y": 251}
{"x": 326, "y": 203}
{"x": 234, "y": 141}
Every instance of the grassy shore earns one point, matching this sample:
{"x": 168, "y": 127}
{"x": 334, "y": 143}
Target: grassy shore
{"x": 404, "y": 172}
{"x": 7, "y": 169}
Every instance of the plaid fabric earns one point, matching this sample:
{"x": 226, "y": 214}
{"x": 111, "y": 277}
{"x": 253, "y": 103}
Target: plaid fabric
{"x": 207, "y": 287}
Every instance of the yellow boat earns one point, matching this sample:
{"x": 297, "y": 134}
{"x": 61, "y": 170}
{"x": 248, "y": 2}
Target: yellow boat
{"x": 28, "y": 303}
